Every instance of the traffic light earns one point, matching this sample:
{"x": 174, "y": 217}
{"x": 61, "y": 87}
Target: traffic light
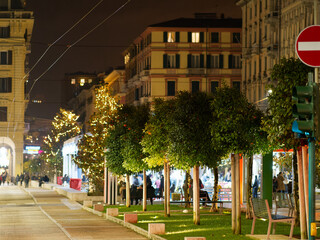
{"x": 305, "y": 110}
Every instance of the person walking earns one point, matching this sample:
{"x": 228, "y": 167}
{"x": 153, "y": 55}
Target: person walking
{"x": 255, "y": 187}
{"x": 280, "y": 183}
{"x": 26, "y": 180}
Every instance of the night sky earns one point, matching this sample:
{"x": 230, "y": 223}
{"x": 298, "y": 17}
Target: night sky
{"x": 102, "y": 48}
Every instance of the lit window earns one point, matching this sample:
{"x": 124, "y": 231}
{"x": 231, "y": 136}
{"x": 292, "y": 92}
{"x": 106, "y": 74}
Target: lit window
{"x": 82, "y": 81}
{"x": 73, "y": 81}
{"x": 90, "y": 80}
{"x": 126, "y": 58}
{"x": 171, "y": 36}
{"x": 195, "y": 37}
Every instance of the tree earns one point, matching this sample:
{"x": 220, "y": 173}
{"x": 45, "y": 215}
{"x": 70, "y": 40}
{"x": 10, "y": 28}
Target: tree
{"x": 64, "y": 126}
{"x": 125, "y": 154}
{"x": 278, "y": 122}
{"x": 91, "y": 147}
{"x": 190, "y": 138}
{"x": 156, "y": 141}
{"x": 236, "y": 128}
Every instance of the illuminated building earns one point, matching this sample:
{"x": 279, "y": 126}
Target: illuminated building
{"x": 192, "y": 54}
{"x": 15, "y": 33}
{"x": 269, "y": 30}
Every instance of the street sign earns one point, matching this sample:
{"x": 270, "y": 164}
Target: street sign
{"x": 308, "y": 46}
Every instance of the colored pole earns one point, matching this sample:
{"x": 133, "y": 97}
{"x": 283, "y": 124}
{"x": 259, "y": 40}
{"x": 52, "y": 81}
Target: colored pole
{"x": 311, "y": 185}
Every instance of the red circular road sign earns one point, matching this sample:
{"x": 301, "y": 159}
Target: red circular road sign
{"x": 308, "y": 46}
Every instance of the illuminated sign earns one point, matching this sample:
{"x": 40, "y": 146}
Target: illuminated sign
{"x": 32, "y": 150}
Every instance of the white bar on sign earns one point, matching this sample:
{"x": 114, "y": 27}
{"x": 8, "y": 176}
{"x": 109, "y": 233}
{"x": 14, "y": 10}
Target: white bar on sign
{"x": 308, "y": 46}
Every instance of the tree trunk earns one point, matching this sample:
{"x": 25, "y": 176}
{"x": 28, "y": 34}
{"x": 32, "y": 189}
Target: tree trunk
{"x": 249, "y": 188}
{"x": 214, "y": 207}
{"x": 168, "y": 190}
{"x": 233, "y": 188}
{"x": 186, "y": 190}
{"x": 165, "y": 169}
{"x": 238, "y": 207}
{"x": 305, "y": 167}
{"x": 144, "y": 205}
{"x": 196, "y": 196}
{"x": 303, "y": 223}
{"x": 295, "y": 187}
{"x": 128, "y": 190}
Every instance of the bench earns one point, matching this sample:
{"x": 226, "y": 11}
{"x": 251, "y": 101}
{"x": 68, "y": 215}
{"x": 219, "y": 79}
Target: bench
{"x": 261, "y": 210}
{"x": 220, "y": 203}
{"x": 283, "y": 200}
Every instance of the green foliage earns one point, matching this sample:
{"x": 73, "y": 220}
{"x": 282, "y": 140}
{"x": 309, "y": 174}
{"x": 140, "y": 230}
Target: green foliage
{"x": 125, "y": 153}
{"x": 278, "y": 122}
{"x": 64, "y": 127}
{"x": 155, "y": 141}
{"x": 236, "y": 123}
{"x": 189, "y": 135}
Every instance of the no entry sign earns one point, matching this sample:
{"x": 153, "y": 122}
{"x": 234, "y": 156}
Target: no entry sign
{"x": 308, "y": 46}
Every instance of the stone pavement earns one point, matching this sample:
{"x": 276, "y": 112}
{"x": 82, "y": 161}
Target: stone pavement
{"x": 35, "y": 213}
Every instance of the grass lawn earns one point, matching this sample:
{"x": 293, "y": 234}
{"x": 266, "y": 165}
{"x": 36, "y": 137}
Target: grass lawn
{"x": 212, "y": 225}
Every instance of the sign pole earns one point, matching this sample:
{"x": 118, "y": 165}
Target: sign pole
{"x": 315, "y": 7}
{"x": 311, "y": 143}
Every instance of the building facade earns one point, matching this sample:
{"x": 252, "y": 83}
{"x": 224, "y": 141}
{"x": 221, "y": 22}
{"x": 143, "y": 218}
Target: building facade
{"x": 16, "y": 26}
{"x": 269, "y": 30}
{"x": 186, "y": 54}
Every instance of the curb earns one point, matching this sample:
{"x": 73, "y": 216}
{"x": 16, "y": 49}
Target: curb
{"x": 125, "y": 224}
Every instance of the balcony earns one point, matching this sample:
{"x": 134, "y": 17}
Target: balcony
{"x": 196, "y": 71}
{"x": 272, "y": 49}
{"x": 271, "y": 17}
{"x": 255, "y": 49}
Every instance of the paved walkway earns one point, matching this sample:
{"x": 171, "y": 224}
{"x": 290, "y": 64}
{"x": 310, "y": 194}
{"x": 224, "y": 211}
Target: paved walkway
{"x": 35, "y": 213}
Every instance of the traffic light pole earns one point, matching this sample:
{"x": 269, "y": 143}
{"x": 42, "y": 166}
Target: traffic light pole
{"x": 312, "y": 166}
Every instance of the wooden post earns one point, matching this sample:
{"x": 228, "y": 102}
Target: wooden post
{"x": 165, "y": 169}
{"x": 144, "y": 205}
{"x": 168, "y": 190}
{"x": 128, "y": 190}
{"x": 238, "y": 207}
{"x": 196, "y": 195}
{"x": 305, "y": 166}
{"x": 303, "y": 223}
{"x": 233, "y": 188}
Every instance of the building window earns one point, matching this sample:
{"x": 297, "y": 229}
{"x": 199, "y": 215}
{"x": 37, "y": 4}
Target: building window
{"x": 6, "y": 58}
{"x": 136, "y": 94}
{"x": 195, "y": 61}
{"x": 171, "y": 88}
{"x": 215, "y": 37}
{"x": 171, "y": 60}
{"x": 196, "y": 37}
{"x": 234, "y": 61}
{"x": 214, "y": 86}
{"x": 73, "y": 81}
{"x": 236, "y": 85}
{"x": 3, "y": 114}
{"x": 212, "y": 61}
{"x": 5, "y": 85}
{"x": 171, "y": 37}
{"x": 195, "y": 86}
{"x": 4, "y": 32}
{"x": 236, "y": 37}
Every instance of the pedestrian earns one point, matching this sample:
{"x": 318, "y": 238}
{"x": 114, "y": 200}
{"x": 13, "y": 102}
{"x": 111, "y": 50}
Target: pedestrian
{"x": 150, "y": 190}
{"x": 280, "y": 183}
{"x": 26, "y": 180}
{"x": 161, "y": 188}
{"x": 17, "y": 179}
{"x": 255, "y": 187}
{"x": 21, "y": 179}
